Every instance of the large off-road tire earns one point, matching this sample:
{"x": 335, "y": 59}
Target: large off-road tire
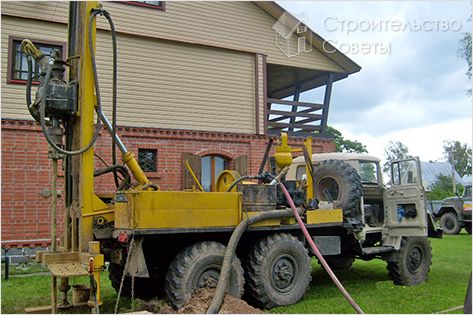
{"x": 339, "y": 262}
{"x": 198, "y": 266}
{"x": 450, "y": 223}
{"x": 342, "y": 182}
{"x": 468, "y": 228}
{"x": 413, "y": 264}
{"x": 277, "y": 271}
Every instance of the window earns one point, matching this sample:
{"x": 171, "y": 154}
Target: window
{"x": 17, "y": 64}
{"x": 160, "y": 5}
{"x": 148, "y": 158}
{"x": 404, "y": 172}
{"x": 212, "y": 166}
{"x": 368, "y": 172}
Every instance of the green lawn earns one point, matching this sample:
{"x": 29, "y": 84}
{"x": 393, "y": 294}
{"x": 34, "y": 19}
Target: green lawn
{"x": 367, "y": 282}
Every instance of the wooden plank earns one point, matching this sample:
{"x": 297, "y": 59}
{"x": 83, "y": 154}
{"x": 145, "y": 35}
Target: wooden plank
{"x": 295, "y": 103}
{"x": 296, "y": 125}
{"x": 38, "y": 310}
{"x": 296, "y": 114}
{"x": 51, "y": 258}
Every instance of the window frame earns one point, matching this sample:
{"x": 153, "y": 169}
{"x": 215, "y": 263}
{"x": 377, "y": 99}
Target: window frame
{"x": 156, "y": 159}
{"x": 11, "y": 55}
{"x": 213, "y": 176}
{"x": 161, "y": 7}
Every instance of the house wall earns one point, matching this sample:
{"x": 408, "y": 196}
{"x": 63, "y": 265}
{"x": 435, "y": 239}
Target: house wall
{"x": 191, "y": 80}
{"x": 198, "y": 62}
{"x": 26, "y": 170}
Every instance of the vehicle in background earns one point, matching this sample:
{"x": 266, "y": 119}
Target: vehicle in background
{"x": 455, "y": 213}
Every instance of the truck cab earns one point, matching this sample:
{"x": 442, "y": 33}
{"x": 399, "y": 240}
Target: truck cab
{"x": 455, "y": 212}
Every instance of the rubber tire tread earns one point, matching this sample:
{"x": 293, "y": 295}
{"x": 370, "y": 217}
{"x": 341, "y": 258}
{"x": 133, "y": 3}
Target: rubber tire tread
{"x": 398, "y": 271}
{"x": 256, "y": 267}
{"x": 351, "y": 191}
{"x": 177, "y": 293}
{"x": 451, "y": 216}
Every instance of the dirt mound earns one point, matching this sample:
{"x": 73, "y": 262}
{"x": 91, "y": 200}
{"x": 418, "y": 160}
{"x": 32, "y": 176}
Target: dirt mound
{"x": 201, "y": 299}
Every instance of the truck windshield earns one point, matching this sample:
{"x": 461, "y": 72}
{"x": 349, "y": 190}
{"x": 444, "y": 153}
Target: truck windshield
{"x": 467, "y": 192}
{"x": 368, "y": 172}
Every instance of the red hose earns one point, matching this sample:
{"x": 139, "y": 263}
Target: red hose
{"x": 317, "y": 252}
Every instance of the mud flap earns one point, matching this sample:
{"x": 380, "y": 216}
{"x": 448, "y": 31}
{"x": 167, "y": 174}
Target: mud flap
{"x": 137, "y": 264}
{"x": 435, "y": 231}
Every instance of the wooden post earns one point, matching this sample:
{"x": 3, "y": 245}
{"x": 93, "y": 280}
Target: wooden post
{"x": 328, "y": 93}
{"x": 297, "y": 93}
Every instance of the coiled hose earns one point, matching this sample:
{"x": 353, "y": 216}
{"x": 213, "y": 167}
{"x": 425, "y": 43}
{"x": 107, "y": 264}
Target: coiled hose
{"x": 222, "y": 285}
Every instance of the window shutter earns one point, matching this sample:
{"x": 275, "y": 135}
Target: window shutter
{"x": 241, "y": 165}
{"x": 194, "y": 162}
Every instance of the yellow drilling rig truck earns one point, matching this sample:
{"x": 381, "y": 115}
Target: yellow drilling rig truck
{"x": 169, "y": 243}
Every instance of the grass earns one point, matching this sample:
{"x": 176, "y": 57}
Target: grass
{"x": 367, "y": 282}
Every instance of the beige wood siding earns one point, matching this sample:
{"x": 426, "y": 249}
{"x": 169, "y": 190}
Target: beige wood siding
{"x": 241, "y": 25}
{"x": 162, "y": 83}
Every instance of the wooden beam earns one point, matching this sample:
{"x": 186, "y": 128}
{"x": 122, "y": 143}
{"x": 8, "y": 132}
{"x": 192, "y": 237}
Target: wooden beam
{"x": 294, "y": 115}
{"x": 297, "y": 93}
{"x": 295, "y": 125}
{"x": 314, "y": 106}
{"x": 257, "y": 93}
{"x": 328, "y": 93}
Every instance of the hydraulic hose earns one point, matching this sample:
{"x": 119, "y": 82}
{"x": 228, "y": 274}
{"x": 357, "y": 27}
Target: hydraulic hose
{"x": 317, "y": 252}
{"x": 116, "y": 169}
{"x": 239, "y": 180}
{"x": 29, "y": 82}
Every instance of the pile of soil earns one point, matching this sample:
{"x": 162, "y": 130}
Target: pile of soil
{"x": 201, "y": 299}
{"x": 198, "y": 304}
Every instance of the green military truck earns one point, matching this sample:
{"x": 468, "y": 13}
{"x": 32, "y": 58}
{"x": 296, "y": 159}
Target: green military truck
{"x": 455, "y": 213}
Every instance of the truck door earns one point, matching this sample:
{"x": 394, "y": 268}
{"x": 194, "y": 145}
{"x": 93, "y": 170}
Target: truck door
{"x": 404, "y": 202}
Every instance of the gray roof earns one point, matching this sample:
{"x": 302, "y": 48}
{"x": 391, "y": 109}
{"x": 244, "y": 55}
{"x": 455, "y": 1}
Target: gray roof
{"x": 466, "y": 180}
{"x": 317, "y": 157}
{"x": 431, "y": 170}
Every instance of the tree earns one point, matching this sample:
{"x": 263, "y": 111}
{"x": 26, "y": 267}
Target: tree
{"x": 459, "y": 155}
{"x": 345, "y": 145}
{"x": 443, "y": 188}
{"x": 464, "y": 51}
{"x": 394, "y": 150}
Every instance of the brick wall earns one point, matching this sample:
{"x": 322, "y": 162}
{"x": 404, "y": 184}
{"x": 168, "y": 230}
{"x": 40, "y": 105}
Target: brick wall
{"x": 26, "y": 170}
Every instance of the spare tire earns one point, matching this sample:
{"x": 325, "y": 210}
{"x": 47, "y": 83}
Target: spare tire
{"x": 338, "y": 182}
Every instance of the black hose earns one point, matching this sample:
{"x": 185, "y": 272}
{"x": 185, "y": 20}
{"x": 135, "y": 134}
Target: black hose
{"x": 114, "y": 88}
{"x": 126, "y": 182}
{"x": 29, "y": 82}
{"x": 230, "y": 253}
{"x": 239, "y": 180}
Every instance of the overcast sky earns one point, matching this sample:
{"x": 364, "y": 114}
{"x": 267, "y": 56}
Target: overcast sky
{"x": 411, "y": 87}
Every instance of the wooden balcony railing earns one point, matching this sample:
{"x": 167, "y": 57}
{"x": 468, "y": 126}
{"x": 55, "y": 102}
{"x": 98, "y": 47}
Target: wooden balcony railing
{"x": 294, "y": 117}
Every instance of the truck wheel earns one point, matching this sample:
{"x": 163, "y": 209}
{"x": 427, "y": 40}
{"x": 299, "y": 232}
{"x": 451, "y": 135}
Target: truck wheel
{"x": 339, "y": 262}
{"x": 450, "y": 224}
{"x": 413, "y": 265}
{"x": 277, "y": 271}
{"x": 468, "y": 228}
{"x": 342, "y": 182}
{"x": 198, "y": 266}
